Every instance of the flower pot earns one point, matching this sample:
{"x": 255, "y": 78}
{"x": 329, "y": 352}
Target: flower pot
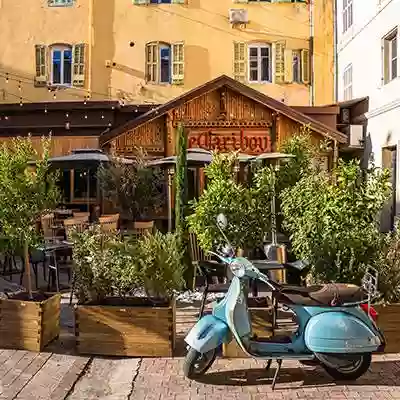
{"x": 133, "y": 327}
{"x": 389, "y": 323}
{"x": 29, "y": 325}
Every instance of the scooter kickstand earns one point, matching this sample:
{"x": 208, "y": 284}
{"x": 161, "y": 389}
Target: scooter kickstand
{"x": 268, "y": 365}
{"x": 278, "y": 369}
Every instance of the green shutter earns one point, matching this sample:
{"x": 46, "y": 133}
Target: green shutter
{"x": 178, "y": 1}
{"x": 138, "y": 2}
{"x": 78, "y": 64}
{"x": 41, "y": 56}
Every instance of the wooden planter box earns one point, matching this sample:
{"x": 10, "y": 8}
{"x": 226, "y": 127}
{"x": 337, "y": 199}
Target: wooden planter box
{"x": 29, "y": 325}
{"x": 389, "y": 323}
{"x": 261, "y": 321}
{"x": 137, "y": 328}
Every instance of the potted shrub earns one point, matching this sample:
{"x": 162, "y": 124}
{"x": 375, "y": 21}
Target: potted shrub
{"x": 388, "y": 266}
{"x": 29, "y": 320}
{"x": 110, "y": 318}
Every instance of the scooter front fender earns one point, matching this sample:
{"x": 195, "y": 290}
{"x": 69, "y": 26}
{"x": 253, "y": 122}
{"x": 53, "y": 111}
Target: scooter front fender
{"x": 340, "y": 332}
{"x": 208, "y": 333}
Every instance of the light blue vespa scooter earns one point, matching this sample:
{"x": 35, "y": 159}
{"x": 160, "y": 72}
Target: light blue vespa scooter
{"x": 335, "y": 324}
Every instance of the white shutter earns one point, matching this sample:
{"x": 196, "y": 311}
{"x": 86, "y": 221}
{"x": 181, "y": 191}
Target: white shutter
{"x": 78, "y": 64}
{"x": 178, "y": 63}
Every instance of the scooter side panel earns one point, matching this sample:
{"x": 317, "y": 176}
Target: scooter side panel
{"x": 339, "y": 332}
{"x": 208, "y": 333}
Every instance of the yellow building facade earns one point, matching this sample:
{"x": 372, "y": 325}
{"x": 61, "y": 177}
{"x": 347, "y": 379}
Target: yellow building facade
{"x": 150, "y": 51}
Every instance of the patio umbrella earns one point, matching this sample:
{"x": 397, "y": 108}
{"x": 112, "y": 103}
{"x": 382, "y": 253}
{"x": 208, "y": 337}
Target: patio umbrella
{"x": 84, "y": 159}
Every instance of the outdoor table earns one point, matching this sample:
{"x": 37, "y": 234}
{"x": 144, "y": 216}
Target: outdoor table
{"x": 51, "y": 250}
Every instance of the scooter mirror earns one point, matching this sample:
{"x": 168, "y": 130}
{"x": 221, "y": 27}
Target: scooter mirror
{"x": 222, "y": 221}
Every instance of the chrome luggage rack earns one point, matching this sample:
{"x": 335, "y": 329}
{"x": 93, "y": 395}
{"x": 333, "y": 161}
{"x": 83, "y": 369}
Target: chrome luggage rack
{"x": 369, "y": 283}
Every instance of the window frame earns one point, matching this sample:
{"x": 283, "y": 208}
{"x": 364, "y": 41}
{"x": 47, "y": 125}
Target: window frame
{"x": 259, "y": 46}
{"x": 387, "y": 59}
{"x": 297, "y": 53}
{"x": 347, "y": 15}
{"x": 348, "y": 82}
{"x": 60, "y": 3}
{"x": 62, "y": 48}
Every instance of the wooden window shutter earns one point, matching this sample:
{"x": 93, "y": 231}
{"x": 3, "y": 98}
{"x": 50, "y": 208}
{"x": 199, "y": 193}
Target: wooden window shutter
{"x": 41, "y": 65}
{"x": 178, "y": 63}
{"x": 397, "y": 181}
{"x": 387, "y": 158}
{"x": 138, "y": 2}
{"x": 239, "y": 61}
{"x": 305, "y": 66}
{"x": 279, "y": 62}
{"x": 78, "y": 64}
{"x": 288, "y": 66}
{"x": 152, "y": 62}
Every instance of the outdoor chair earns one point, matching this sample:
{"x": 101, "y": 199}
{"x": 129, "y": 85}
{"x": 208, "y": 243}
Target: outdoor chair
{"x": 109, "y": 223}
{"x": 213, "y": 274}
{"x": 49, "y": 228}
{"x": 142, "y": 228}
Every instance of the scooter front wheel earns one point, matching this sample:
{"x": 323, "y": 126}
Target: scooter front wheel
{"x": 345, "y": 368}
{"x": 197, "y": 364}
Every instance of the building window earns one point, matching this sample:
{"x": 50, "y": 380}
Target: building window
{"x": 139, "y": 2}
{"x": 165, "y": 63}
{"x": 390, "y": 56}
{"x": 60, "y": 3}
{"x": 348, "y": 83}
{"x": 347, "y": 14}
{"x": 260, "y": 63}
{"x": 61, "y": 65}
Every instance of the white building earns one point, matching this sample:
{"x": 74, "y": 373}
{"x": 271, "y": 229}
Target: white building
{"x": 367, "y": 65}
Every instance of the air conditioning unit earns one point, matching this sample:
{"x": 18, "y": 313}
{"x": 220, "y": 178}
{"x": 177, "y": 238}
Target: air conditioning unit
{"x": 356, "y": 135}
{"x": 238, "y": 16}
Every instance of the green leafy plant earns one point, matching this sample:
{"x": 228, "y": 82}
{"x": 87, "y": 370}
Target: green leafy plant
{"x": 135, "y": 190}
{"x": 27, "y": 190}
{"x": 107, "y": 265}
{"x": 160, "y": 264}
{"x": 334, "y": 225}
{"x": 388, "y": 266}
{"x": 225, "y": 195}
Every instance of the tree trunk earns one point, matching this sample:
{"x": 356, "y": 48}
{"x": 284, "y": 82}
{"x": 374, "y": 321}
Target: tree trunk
{"x": 28, "y": 269}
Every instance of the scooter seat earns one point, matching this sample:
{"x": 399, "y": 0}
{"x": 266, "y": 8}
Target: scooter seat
{"x": 331, "y": 294}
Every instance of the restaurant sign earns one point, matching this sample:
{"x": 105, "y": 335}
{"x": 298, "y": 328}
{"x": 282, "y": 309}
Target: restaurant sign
{"x": 249, "y": 141}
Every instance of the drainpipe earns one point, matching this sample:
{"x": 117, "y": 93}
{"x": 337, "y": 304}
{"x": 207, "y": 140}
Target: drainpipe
{"x": 90, "y": 48}
{"x": 335, "y": 57}
{"x": 312, "y": 81}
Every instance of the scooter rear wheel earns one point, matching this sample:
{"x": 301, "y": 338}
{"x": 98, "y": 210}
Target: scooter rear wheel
{"x": 345, "y": 368}
{"x": 197, "y": 364}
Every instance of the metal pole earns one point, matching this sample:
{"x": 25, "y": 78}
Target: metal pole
{"x": 170, "y": 172}
{"x": 273, "y": 208}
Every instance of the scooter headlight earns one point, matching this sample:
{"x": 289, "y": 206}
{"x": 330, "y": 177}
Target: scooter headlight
{"x": 238, "y": 268}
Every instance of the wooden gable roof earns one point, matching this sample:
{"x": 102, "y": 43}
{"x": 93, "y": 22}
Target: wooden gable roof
{"x": 217, "y": 83}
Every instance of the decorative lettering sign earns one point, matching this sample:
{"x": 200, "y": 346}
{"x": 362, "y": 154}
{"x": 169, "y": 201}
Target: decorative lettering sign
{"x": 247, "y": 141}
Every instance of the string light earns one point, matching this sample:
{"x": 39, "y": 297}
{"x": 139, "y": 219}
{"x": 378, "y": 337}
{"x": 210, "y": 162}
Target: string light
{"x": 19, "y": 86}
{"x": 7, "y": 80}
{"x": 102, "y": 116}
{"x": 55, "y": 96}
{"x": 66, "y": 115}
{"x": 20, "y": 102}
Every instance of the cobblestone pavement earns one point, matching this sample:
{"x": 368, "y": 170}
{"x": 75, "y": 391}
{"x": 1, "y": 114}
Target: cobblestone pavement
{"x": 47, "y": 376}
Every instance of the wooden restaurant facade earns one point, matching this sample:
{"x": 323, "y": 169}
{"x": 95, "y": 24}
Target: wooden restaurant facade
{"x": 224, "y": 115}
